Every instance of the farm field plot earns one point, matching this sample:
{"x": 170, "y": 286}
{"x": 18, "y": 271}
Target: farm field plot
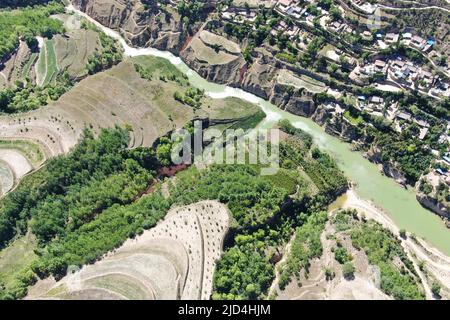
{"x": 212, "y": 39}
{"x": 205, "y": 53}
{"x": 30, "y": 150}
{"x": 17, "y": 158}
{"x": 18, "y": 164}
{"x": 46, "y": 66}
{"x": 51, "y": 65}
{"x": 174, "y": 260}
{"x": 213, "y": 49}
{"x": 71, "y": 22}
{"x": 31, "y": 61}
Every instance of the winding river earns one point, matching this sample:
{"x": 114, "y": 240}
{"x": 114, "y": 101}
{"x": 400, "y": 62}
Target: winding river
{"x": 400, "y": 204}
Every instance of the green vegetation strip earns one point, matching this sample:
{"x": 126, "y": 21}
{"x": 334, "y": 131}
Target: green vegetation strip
{"x": 52, "y": 68}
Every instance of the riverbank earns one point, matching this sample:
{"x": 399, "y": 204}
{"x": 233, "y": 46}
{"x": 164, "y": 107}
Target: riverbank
{"x": 437, "y": 264}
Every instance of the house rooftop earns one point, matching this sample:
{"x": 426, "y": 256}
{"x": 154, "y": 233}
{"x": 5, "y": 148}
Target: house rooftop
{"x": 417, "y": 39}
{"x": 285, "y": 2}
{"x": 404, "y": 116}
{"x": 376, "y": 99}
{"x": 380, "y": 63}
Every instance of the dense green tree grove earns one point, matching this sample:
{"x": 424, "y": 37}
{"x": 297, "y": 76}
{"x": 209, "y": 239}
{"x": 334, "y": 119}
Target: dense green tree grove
{"x": 90, "y": 201}
{"x": 82, "y": 204}
{"x": 23, "y": 98}
{"x": 342, "y": 255}
{"x": 256, "y": 248}
{"x": 252, "y": 199}
{"x": 59, "y": 214}
{"x": 54, "y": 194}
{"x": 244, "y": 272}
{"x": 411, "y": 155}
{"x": 192, "y": 97}
{"x": 26, "y": 24}
{"x": 106, "y": 232}
{"x": 319, "y": 166}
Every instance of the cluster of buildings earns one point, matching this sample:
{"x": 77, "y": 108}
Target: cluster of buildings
{"x": 374, "y": 105}
{"x": 403, "y": 70}
{"x": 405, "y": 73}
{"x": 377, "y": 106}
{"x": 239, "y": 16}
{"x": 293, "y": 9}
{"x": 407, "y": 38}
{"x": 339, "y": 27}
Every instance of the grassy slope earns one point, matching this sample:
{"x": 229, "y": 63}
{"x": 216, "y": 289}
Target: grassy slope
{"x": 17, "y": 256}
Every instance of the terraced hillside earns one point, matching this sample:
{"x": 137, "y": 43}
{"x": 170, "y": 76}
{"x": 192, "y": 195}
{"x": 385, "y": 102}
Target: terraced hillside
{"x": 119, "y": 96}
{"x": 18, "y": 67}
{"x": 74, "y": 49}
{"x": 40, "y": 63}
{"x": 174, "y": 260}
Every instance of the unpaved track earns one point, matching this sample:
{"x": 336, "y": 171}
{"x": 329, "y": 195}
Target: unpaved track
{"x": 413, "y": 8}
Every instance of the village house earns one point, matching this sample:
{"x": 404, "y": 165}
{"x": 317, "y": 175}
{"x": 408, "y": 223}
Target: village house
{"x": 427, "y": 77}
{"x": 376, "y": 104}
{"x": 440, "y": 88}
{"x": 380, "y": 66}
{"x": 336, "y": 26}
{"x": 406, "y": 36}
{"x": 284, "y": 4}
{"x": 348, "y": 29}
{"x": 376, "y": 100}
{"x": 391, "y": 38}
{"x": 404, "y": 116}
{"x": 403, "y": 70}
{"x": 418, "y": 42}
{"x": 293, "y": 32}
{"x": 367, "y": 35}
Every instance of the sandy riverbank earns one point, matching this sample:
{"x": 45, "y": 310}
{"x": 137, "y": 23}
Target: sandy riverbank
{"x": 436, "y": 263}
